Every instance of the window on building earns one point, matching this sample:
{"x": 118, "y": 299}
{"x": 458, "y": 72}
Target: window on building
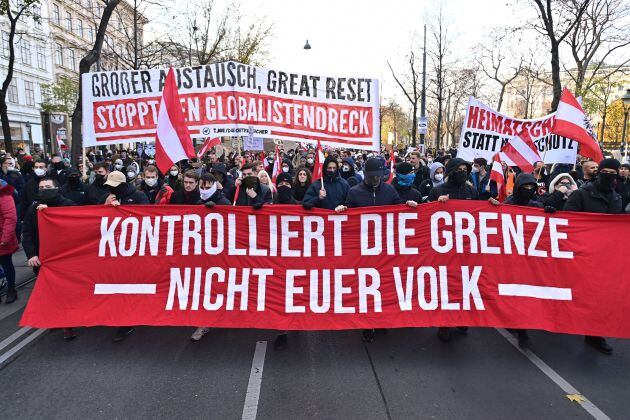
{"x": 56, "y": 14}
{"x": 90, "y": 33}
{"x": 58, "y": 54}
{"x": 41, "y": 57}
{"x": 29, "y": 92}
{"x": 69, "y": 21}
{"x": 88, "y": 4}
{"x": 37, "y": 16}
{"x": 5, "y": 44}
{"x": 72, "y": 59}
{"x": 25, "y": 51}
{"x": 80, "y": 28}
{"x": 13, "y": 92}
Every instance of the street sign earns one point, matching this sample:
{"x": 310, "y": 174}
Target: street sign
{"x": 423, "y": 125}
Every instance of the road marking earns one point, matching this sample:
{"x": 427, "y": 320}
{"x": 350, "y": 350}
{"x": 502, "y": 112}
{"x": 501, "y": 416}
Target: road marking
{"x": 125, "y": 289}
{"x": 255, "y": 380}
{"x": 10, "y": 339}
{"x": 587, "y": 405}
{"x": 539, "y": 292}
{"x": 6, "y": 356}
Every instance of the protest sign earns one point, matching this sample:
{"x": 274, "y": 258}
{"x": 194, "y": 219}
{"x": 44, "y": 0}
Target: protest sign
{"x": 485, "y": 132}
{"x": 225, "y": 99}
{"x": 282, "y": 267}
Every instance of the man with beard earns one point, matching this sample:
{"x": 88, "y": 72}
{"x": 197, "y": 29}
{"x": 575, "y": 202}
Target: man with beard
{"x": 48, "y": 196}
{"x": 589, "y": 173}
{"x": 190, "y": 193}
{"x": 598, "y": 196}
{"x": 31, "y": 189}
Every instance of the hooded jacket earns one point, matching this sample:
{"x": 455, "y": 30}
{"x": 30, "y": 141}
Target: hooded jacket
{"x": 336, "y": 190}
{"x": 407, "y": 192}
{"x": 521, "y": 180}
{"x": 217, "y": 198}
{"x": 555, "y": 198}
{"x": 263, "y": 196}
{"x": 130, "y": 195}
{"x": 427, "y": 184}
{"x": 351, "y": 176}
{"x": 464, "y": 191}
{"x": 363, "y": 195}
{"x": 227, "y": 183}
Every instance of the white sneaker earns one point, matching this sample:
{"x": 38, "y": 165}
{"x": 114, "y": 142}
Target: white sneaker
{"x": 199, "y": 332}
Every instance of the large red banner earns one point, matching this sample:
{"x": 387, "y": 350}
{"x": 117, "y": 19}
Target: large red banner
{"x": 282, "y": 267}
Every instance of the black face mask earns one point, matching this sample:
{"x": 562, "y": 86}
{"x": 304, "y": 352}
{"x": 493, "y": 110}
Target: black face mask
{"x": 118, "y": 190}
{"x": 99, "y": 179}
{"x": 372, "y": 181}
{"x": 284, "y": 194}
{"x": 606, "y": 182}
{"x": 58, "y": 165}
{"x": 74, "y": 181}
{"x": 523, "y": 195}
{"x": 48, "y": 195}
{"x": 459, "y": 177}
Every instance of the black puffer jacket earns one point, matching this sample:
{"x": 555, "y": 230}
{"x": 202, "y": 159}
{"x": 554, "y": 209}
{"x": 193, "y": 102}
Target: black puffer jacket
{"x": 592, "y": 199}
{"x": 463, "y": 191}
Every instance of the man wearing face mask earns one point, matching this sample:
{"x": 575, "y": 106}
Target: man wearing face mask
{"x": 284, "y": 185}
{"x": 599, "y": 196}
{"x": 560, "y": 189}
{"x": 97, "y": 191}
{"x": 154, "y": 188}
{"x": 334, "y": 192}
{"x": 455, "y": 187}
{"x": 209, "y": 193}
{"x": 74, "y": 189}
{"x": 31, "y": 189}
{"x": 524, "y": 192}
{"x": 121, "y": 192}
{"x": 58, "y": 172}
{"x": 348, "y": 173}
{"x": 132, "y": 176}
{"x": 403, "y": 183}
{"x": 225, "y": 181}
{"x": 436, "y": 178}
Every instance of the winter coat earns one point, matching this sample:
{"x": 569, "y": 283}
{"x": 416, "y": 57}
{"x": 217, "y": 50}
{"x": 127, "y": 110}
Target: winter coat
{"x": 29, "y": 195}
{"x": 363, "y": 195}
{"x": 15, "y": 179}
{"x": 407, "y": 193}
{"x": 30, "y": 232}
{"x": 96, "y": 193}
{"x": 591, "y": 199}
{"x": 299, "y": 191}
{"x": 523, "y": 179}
{"x": 77, "y": 194}
{"x": 455, "y": 192}
{"x": 160, "y": 194}
{"x": 480, "y": 185}
{"x": 217, "y": 198}
{"x": 182, "y": 197}
{"x": 351, "y": 176}
{"x": 8, "y": 220}
{"x": 555, "y": 198}
{"x": 623, "y": 189}
{"x": 336, "y": 191}
{"x": 263, "y": 196}
{"x": 174, "y": 182}
{"x": 130, "y": 196}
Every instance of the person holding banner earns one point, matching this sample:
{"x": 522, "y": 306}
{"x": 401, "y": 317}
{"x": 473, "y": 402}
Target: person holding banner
{"x": 436, "y": 178}
{"x": 560, "y": 189}
{"x": 249, "y": 190}
{"x": 333, "y": 192}
{"x": 284, "y": 190}
{"x": 403, "y": 183}
{"x": 302, "y": 181}
{"x": 599, "y": 197}
{"x": 225, "y": 181}
{"x": 209, "y": 193}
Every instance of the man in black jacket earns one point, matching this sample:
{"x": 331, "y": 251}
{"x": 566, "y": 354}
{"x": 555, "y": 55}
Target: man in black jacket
{"x": 250, "y": 191}
{"x": 455, "y": 186}
{"x": 97, "y": 190}
{"x": 48, "y": 196}
{"x": 31, "y": 189}
{"x": 122, "y": 193}
{"x": 74, "y": 189}
{"x": 190, "y": 193}
{"x": 623, "y": 184}
{"x": 209, "y": 193}
{"x": 598, "y": 196}
{"x": 58, "y": 172}
{"x": 404, "y": 182}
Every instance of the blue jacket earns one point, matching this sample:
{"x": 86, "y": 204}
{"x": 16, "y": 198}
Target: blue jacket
{"x": 336, "y": 192}
{"x": 362, "y": 195}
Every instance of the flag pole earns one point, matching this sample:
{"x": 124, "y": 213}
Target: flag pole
{"x": 83, "y": 157}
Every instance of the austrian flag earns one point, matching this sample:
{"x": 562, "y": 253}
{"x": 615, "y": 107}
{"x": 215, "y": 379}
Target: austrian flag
{"x": 172, "y": 140}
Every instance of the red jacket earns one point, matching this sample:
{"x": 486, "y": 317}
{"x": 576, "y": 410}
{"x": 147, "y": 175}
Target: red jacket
{"x": 8, "y": 221}
{"x": 164, "y": 195}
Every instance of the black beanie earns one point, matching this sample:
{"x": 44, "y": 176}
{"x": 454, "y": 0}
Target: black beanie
{"x": 284, "y": 177}
{"x": 404, "y": 168}
{"x": 609, "y": 163}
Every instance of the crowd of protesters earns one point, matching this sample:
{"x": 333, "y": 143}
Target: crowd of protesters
{"x": 350, "y": 179}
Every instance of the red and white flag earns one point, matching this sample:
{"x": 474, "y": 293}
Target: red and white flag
{"x": 392, "y": 163}
{"x": 61, "y": 145}
{"x": 277, "y": 166}
{"x": 264, "y": 161}
{"x": 172, "y": 140}
{"x": 207, "y": 145}
{"x": 571, "y": 122}
{"x": 319, "y": 161}
{"x": 496, "y": 175}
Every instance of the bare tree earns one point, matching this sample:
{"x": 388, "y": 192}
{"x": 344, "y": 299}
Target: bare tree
{"x": 440, "y": 43}
{"x": 602, "y": 32}
{"x": 495, "y": 61}
{"x": 412, "y": 90}
{"x": 84, "y": 67}
{"x": 461, "y": 83}
{"x": 556, "y": 20}
{"x": 14, "y": 11}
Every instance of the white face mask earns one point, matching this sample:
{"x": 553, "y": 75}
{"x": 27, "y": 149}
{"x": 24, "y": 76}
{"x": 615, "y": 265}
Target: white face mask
{"x": 345, "y": 169}
{"x": 118, "y": 167}
{"x": 174, "y": 173}
{"x": 285, "y": 169}
{"x": 151, "y": 182}
{"x": 11, "y": 167}
{"x": 438, "y": 177}
{"x": 39, "y": 171}
{"x": 475, "y": 169}
{"x": 131, "y": 175}
{"x": 207, "y": 193}
{"x": 309, "y": 161}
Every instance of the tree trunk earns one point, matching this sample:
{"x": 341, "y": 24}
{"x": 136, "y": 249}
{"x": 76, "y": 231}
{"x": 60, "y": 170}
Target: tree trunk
{"x": 84, "y": 67}
{"x": 501, "y": 93}
{"x": 601, "y": 139}
{"x": 4, "y": 111}
{"x": 555, "y": 76}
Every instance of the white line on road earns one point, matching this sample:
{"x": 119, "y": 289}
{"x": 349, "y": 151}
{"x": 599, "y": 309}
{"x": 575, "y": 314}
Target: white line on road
{"x": 10, "y": 339}
{"x": 126, "y": 289}
{"x": 539, "y": 292}
{"x": 250, "y": 409}
{"x": 587, "y": 405}
{"x": 6, "y": 356}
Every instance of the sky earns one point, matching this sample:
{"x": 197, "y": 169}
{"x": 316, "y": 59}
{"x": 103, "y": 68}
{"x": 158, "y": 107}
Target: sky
{"x": 357, "y": 38}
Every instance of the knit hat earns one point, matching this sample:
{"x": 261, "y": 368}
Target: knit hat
{"x": 609, "y": 163}
{"x": 404, "y": 168}
{"x": 283, "y": 177}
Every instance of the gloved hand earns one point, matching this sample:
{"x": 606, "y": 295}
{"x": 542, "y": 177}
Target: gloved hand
{"x": 258, "y": 206}
{"x": 550, "y": 209}
{"x": 307, "y": 206}
{"x": 209, "y": 204}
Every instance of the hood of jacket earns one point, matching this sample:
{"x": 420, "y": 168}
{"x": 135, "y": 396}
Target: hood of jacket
{"x": 552, "y": 184}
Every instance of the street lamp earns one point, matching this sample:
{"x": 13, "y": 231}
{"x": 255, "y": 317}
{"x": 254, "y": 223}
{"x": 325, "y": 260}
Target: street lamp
{"x": 307, "y": 46}
{"x": 625, "y": 99}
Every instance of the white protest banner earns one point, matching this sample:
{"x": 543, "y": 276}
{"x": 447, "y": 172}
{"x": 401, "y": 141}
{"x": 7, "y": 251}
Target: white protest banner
{"x": 225, "y": 99}
{"x": 485, "y": 132}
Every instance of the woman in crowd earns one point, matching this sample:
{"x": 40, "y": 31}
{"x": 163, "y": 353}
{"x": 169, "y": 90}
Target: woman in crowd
{"x": 8, "y": 237}
{"x": 173, "y": 178}
{"x": 301, "y": 183}
{"x": 264, "y": 178}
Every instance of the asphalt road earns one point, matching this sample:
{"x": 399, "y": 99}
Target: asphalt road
{"x": 158, "y": 373}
